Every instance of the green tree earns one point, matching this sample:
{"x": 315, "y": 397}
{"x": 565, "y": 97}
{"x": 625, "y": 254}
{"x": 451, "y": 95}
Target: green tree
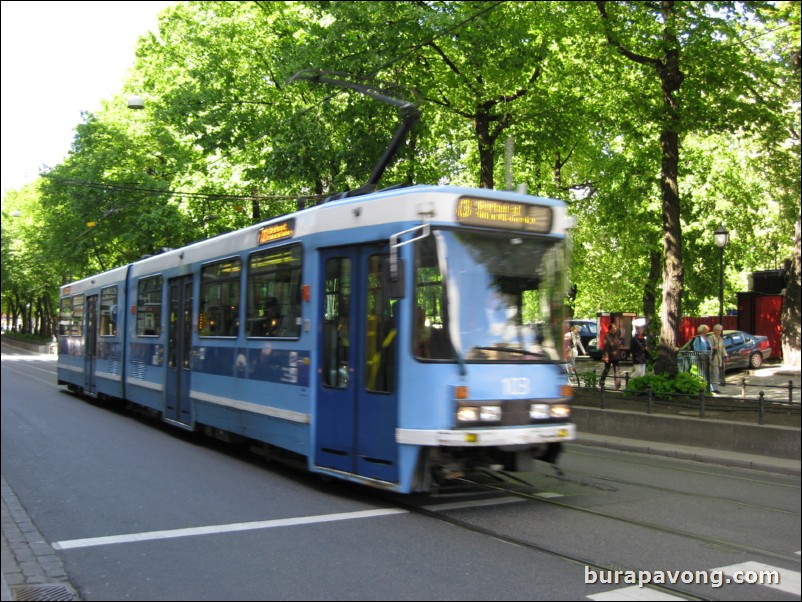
{"x": 699, "y": 42}
{"x": 108, "y": 203}
{"x": 30, "y": 274}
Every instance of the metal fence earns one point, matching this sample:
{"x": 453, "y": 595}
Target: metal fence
{"x": 761, "y": 403}
{"x": 695, "y": 362}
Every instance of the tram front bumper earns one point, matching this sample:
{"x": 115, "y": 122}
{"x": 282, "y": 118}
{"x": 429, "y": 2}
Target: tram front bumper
{"x": 488, "y": 437}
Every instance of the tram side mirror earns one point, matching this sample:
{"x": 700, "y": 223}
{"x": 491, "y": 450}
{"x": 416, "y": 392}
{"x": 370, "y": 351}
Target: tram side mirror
{"x": 395, "y": 280}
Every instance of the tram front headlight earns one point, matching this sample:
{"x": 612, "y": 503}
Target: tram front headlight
{"x": 479, "y": 413}
{"x": 543, "y": 411}
{"x": 539, "y": 411}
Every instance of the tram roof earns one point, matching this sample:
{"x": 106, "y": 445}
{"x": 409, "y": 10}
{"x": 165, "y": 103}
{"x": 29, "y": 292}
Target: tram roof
{"x": 389, "y": 207}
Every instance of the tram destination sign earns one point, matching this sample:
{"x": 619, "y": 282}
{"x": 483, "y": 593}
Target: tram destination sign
{"x": 285, "y": 229}
{"x": 508, "y": 215}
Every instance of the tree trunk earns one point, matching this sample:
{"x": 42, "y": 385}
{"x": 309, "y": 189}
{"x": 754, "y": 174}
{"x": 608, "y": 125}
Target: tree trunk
{"x": 487, "y": 154}
{"x": 673, "y": 270}
{"x": 649, "y": 294}
{"x": 671, "y": 77}
{"x": 256, "y": 210}
{"x": 790, "y": 320}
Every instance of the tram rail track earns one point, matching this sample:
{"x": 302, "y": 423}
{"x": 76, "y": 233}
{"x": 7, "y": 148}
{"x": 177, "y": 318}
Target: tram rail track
{"x": 434, "y": 513}
{"x": 532, "y": 497}
{"x": 670, "y": 490}
{"x": 678, "y": 468}
{"x": 510, "y": 486}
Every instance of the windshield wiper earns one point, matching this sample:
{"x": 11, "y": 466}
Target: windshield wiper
{"x": 512, "y": 350}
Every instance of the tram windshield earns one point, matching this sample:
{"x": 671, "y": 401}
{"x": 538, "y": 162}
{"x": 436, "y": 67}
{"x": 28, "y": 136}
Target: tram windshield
{"x": 486, "y": 297}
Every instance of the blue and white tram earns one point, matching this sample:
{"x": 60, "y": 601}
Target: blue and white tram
{"x": 393, "y": 339}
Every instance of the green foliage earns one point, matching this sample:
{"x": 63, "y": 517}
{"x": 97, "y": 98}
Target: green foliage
{"x": 689, "y": 384}
{"x": 590, "y": 380}
{"x": 659, "y": 383}
{"x": 27, "y": 338}
{"x": 662, "y": 386}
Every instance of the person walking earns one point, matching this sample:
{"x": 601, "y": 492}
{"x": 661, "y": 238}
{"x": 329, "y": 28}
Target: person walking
{"x": 573, "y": 345}
{"x": 700, "y": 342}
{"x": 638, "y": 350}
{"x": 611, "y": 356}
{"x": 702, "y": 345}
{"x": 717, "y": 358}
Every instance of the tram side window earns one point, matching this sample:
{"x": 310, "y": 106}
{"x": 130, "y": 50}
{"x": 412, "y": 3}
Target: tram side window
{"x": 65, "y": 318}
{"x": 77, "y": 327}
{"x": 381, "y": 332}
{"x": 219, "y": 294}
{"x": 149, "y": 306}
{"x": 336, "y": 323}
{"x": 274, "y": 293}
{"x": 108, "y": 311}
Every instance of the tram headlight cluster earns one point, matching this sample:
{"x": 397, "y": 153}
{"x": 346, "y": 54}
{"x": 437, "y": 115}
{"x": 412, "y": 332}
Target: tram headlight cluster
{"x": 544, "y": 411}
{"x": 479, "y": 413}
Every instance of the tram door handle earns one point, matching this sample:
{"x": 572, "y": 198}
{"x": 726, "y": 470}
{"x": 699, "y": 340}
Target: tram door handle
{"x": 344, "y": 373}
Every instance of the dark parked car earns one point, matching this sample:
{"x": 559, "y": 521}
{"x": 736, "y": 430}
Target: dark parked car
{"x": 744, "y": 350}
{"x": 588, "y": 334}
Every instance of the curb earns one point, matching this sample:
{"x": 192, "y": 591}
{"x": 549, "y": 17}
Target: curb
{"x": 31, "y": 568}
{"x": 695, "y": 454}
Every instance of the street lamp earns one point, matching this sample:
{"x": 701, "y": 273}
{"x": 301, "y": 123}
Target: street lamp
{"x": 721, "y": 237}
{"x": 136, "y": 102}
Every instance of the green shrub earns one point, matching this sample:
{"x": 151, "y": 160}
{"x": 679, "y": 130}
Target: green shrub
{"x": 689, "y": 384}
{"x": 26, "y": 338}
{"x": 590, "y": 380}
{"x": 684, "y": 383}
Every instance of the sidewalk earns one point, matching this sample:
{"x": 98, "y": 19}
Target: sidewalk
{"x": 31, "y": 568}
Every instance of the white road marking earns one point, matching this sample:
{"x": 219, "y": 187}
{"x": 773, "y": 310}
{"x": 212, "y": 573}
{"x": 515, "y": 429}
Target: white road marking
{"x": 789, "y": 581}
{"x": 546, "y": 495}
{"x": 749, "y": 572}
{"x": 214, "y": 529}
{"x": 473, "y": 503}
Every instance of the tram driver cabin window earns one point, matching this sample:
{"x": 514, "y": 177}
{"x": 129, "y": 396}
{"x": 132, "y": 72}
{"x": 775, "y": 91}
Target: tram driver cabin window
{"x": 149, "y": 306}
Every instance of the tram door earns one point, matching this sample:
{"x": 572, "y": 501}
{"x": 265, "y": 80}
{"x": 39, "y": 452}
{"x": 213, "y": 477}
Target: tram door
{"x": 90, "y": 346}
{"x": 179, "y": 346}
{"x": 357, "y": 407}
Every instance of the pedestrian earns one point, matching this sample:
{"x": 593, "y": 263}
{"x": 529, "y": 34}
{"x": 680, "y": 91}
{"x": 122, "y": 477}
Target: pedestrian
{"x": 637, "y": 348}
{"x": 573, "y": 345}
{"x": 700, "y": 342}
{"x": 611, "y": 356}
{"x": 717, "y": 358}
